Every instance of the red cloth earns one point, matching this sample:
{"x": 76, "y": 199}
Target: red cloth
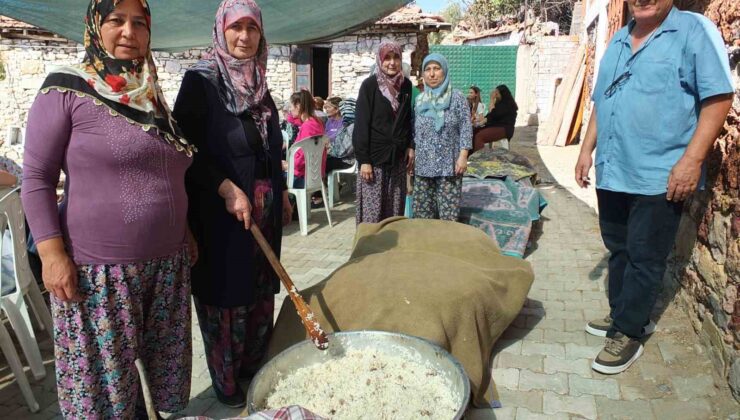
{"x": 309, "y": 128}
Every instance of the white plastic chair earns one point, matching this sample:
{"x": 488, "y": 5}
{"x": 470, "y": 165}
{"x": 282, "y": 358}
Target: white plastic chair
{"x": 333, "y": 181}
{"x": 313, "y": 150}
{"x": 12, "y": 301}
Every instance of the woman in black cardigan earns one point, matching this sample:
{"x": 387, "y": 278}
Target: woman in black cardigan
{"x": 382, "y": 138}
{"x": 500, "y": 120}
{"x": 225, "y": 109}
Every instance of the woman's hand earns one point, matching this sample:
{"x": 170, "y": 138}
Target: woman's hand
{"x": 287, "y": 209}
{"x": 410, "y": 156}
{"x": 366, "y": 172}
{"x": 192, "y": 248}
{"x": 237, "y": 203}
{"x": 462, "y": 163}
{"x": 59, "y": 272}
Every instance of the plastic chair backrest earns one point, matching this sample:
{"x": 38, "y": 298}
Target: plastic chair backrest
{"x": 11, "y": 211}
{"x": 313, "y": 152}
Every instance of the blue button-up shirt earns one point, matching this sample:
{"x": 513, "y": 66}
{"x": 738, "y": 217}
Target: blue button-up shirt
{"x": 648, "y": 103}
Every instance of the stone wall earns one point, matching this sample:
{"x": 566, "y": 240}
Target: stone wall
{"x": 550, "y": 58}
{"x": 704, "y": 271}
{"x": 27, "y": 62}
{"x": 353, "y": 56}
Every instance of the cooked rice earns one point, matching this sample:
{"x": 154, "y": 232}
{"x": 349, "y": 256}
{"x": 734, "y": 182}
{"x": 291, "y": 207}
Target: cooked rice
{"x": 367, "y": 384}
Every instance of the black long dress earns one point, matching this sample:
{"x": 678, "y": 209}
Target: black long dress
{"x": 224, "y": 275}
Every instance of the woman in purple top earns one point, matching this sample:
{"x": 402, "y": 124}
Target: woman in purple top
{"x": 115, "y": 253}
{"x": 334, "y": 124}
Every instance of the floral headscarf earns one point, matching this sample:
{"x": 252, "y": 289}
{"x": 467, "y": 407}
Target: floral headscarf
{"x": 389, "y": 85}
{"x": 242, "y": 84}
{"x": 128, "y": 87}
{"x": 433, "y": 102}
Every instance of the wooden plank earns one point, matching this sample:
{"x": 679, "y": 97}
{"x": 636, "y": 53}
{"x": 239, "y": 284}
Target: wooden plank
{"x": 571, "y": 107}
{"x": 575, "y": 128}
{"x": 551, "y": 127}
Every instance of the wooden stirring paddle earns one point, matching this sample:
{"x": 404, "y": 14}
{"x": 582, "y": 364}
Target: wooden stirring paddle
{"x": 304, "y": 311}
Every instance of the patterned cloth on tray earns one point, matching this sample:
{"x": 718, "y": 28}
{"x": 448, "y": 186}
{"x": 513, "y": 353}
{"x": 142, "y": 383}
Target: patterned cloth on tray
{"x": 500, "y": 199}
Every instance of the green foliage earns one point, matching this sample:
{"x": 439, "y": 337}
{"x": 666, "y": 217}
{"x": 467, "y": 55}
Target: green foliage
{"x": 2, "y": 70}
{"x": 453, "y": 13}
{"x": 492, "y": 9}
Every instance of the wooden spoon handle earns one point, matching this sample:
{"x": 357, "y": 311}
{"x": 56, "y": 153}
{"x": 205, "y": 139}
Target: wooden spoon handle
{"x": 151, "y": 412}
{"x": 304, "y": 311}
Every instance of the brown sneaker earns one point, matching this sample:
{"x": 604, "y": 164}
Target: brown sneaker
{"x": 599, "y": 327}
{"x": 618, "y": 354}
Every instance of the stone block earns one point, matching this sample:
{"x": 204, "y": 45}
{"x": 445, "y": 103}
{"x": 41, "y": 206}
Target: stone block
{"x": 718, "y": 233}
{"x": 671, "y": 351}
{"x": 531, "y": 400}
{"x": 708, "y": 268}
{"x": 506, "y": 378}
{"x": 543, "y": 349}
{"x": 581, "y": 367}
{"x": 576, "y": 337}
{"x": 690, "y": 388}
{"x": 734, "y": 378}
{"x": 546, "y": 324}
{"x": 572, "y": 315}
{"x": 577, "y": 351}
{"x": 172, "y": 66}
{"x": 583, "y": 386}
{"x": 31, "y": 83}
{"x": 518, "y": 361}
{"x": 557, "y": 382}
{"x": 623, "y": 410}
{"x": 524, "y": 414}
{"x": 584, "y": 406}
{"x": 684, "y": 410}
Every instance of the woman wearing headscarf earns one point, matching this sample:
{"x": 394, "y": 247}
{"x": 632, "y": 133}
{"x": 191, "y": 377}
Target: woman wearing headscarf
{"x": 341, "y": 153}
{"x": 498, "y": 124}
{"x": 224, "y": 107}
{"x": 114, "y": 254}
{"x": 443, "y": 134}
{"x": 383, "y": 139}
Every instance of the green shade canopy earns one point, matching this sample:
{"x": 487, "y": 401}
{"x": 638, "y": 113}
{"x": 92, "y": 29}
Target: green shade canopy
{"x": 182, "y": 24}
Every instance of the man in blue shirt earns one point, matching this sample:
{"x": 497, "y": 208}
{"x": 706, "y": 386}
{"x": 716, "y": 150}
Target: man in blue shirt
{"x": 662, "y": 95}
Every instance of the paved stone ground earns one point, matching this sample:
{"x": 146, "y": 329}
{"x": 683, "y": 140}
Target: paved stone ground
{"x": 542, "y": 364}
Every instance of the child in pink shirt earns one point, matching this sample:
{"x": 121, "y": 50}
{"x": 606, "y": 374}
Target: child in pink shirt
{"x": 302, "y": 114}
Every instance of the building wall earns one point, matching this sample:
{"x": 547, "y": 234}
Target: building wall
{"x": 705, "y": 268}
{"x": 353, "y": 56}
{"x": 539, "y": 65}
{"x": 27, "y": 63}
{"x": 550, "y": 58}
{"x": 704, "y": 271}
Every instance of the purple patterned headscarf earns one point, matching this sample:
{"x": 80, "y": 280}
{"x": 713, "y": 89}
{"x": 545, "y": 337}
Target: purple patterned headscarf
{"x": 242, "y": 84}
{"x": 389, "y": 85}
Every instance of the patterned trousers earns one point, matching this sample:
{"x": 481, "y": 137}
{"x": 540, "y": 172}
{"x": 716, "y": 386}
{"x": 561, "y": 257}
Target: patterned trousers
{"x": 437, "y": 197}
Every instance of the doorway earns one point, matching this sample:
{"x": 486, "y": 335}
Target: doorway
{"x": 321, "y": 59}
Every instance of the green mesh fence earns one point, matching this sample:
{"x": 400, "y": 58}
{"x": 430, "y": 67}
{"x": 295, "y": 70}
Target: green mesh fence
{"x": 483, "y": 66}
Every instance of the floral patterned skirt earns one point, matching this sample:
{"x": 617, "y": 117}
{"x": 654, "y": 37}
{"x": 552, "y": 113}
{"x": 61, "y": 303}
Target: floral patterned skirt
{"x": 384, "y": 197}
{"x": 129, "y": 311}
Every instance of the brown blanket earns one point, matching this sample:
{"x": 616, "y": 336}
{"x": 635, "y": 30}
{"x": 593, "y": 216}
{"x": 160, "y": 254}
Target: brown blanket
{"x": 443, "y": 281}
